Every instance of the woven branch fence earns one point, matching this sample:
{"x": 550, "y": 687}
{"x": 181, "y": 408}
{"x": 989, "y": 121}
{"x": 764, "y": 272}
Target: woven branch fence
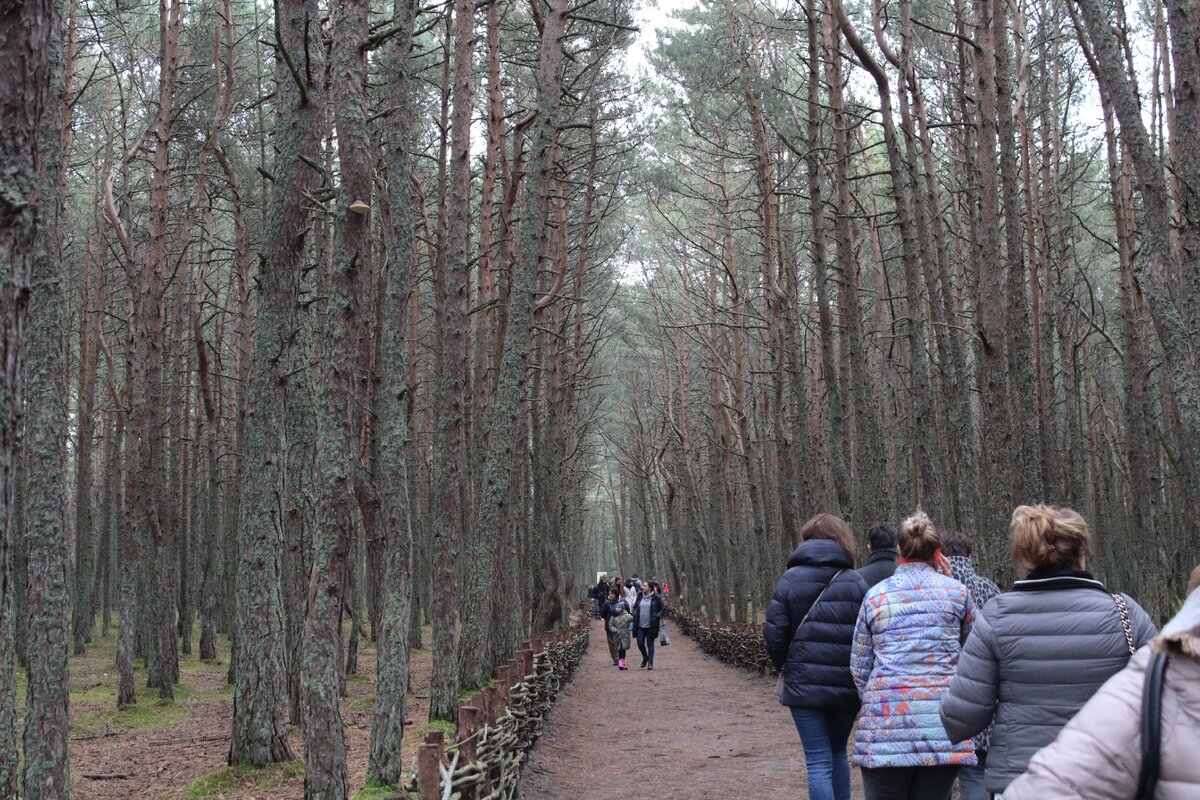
{"x": 497, "y": 727}
{"x": 737, "y": 644}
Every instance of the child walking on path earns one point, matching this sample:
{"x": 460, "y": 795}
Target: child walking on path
{"x": 618, "y": 626}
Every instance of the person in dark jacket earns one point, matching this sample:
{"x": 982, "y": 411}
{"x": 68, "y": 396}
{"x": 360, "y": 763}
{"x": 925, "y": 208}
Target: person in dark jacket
{"x": 956, "y": 547}
{"x": 1037, "y": 654}
{"x": 600, "y": 593}
{"x": 607, "y": 611}
{"x": 647, "y": 615}
{"x": 882, "y": 554}
{"x": 809, "y": 627}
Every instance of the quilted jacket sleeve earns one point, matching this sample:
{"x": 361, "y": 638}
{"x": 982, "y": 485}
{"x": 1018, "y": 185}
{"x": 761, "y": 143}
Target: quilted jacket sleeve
{"x": 968, "y": 706}
{"x": 1097, "y": 755}
{"x": 862, "y": 651}
{"x": 777, "y": 630}
{"x": 970, "y": 613}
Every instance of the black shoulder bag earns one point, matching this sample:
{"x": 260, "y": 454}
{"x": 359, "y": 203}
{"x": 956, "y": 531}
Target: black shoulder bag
{"x": 1152, "y": 695}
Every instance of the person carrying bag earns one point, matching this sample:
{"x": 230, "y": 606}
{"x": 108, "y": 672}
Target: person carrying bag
{"x": 1138, "y": 737}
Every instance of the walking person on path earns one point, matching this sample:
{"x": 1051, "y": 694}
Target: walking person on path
{"x": 809, "y": 627}
{"x": 601, "y": 593}
{"x": 906, "y": 646}
{"x": 1097, "y": 756}
{"x": 956, "y": 547}
{"x": 618, "y": 625}
{"x": 606, "y": 613}
{"x": 883, "y": 555}
{"x": 647, "y": 614}
{"x": 1039, "y": 652}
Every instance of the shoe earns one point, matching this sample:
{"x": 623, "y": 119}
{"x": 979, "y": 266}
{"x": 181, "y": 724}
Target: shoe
{"x": 616, "y": 662}
{"x": 621, "y": 664}
{"x": 644, "y": 663}
{"x": 650, "y": 665}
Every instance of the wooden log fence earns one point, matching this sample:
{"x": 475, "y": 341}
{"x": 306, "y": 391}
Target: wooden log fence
{"x": 737, "y": 644}
{"x": 498, "y": 727}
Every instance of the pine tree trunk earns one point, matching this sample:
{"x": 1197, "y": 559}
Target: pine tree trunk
{"x": 84, "y": 612}
{"x": 260, "y": 665}
{"x": 386, "y": 766}
{"x": 325, "y": 775}
{"x": 45, "y": 763}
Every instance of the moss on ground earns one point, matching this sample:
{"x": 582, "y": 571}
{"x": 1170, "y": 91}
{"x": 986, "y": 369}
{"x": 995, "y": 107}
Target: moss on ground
{"x": 375, "y": 792}
{"x": 362, "y": 703}
{"x": 448, "y": 728}
{"x": 144, "y": 715}
{"x": 227, "y": 779}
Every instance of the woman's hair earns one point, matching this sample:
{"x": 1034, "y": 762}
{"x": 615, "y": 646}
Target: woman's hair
{"x": 955, "y": 544}
{"x": 1048, "y": 536}
{"x": 1194, "y": 581}
{"x": 827, "y": 526}
{"x": 918, "y": 537}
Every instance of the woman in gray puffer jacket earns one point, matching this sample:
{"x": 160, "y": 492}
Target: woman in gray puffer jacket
{"x": 1098, "y": 754}
{"x": 1038, "y": 653}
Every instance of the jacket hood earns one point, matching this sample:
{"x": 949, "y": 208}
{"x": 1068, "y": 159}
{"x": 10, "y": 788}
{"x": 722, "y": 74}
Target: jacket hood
{"x": 820, "y": 553}
{"x": 1182, "y": 633}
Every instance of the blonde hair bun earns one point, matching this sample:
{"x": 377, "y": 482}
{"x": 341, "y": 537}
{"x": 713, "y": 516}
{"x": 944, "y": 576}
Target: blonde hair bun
{"x": 918, "y": 537}
{"x": 1048, "y": 536}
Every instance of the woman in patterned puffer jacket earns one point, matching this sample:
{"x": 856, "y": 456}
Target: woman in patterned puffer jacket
{"x": 906, "y": 646}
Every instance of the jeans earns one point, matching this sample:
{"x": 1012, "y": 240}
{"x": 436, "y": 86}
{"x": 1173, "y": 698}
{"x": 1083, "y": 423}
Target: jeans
{"x": 823, "y": 734}
{"x": 909, "y": 783}
{"x": 645, "y": 640}
{"x": 970, "y": 780}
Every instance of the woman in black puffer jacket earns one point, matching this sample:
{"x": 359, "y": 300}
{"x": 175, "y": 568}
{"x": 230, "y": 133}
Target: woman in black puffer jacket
{"x": 809, "y": 628}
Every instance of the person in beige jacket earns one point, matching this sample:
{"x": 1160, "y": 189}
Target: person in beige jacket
{"x": 1098, "y": 754}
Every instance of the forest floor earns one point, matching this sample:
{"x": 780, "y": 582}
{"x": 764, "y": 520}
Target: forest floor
{"x": 175, "y": 750}
{"x": 693, "y": 728}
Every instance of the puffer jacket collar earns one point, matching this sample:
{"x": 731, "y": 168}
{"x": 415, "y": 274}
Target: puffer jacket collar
{"x": 883, "y": 554}
{"x": 820, "y": 553}
{"x": 1050, "y": 579}
{"x": 1182, "y": 633}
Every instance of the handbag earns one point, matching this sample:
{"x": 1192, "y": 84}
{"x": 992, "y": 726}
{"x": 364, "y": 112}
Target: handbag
{"x": 1152, "y": 693}
{"x": 1126, "y": 623}
{"x": 779, "y": 680}
{"x": 663, "y": 639}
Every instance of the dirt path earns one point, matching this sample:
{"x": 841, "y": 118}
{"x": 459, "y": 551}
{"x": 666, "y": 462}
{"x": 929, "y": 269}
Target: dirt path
{"x": 693, "y": 728}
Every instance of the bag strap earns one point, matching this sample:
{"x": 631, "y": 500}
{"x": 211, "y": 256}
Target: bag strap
{"x": 819, "y": 596}
{"x": 1126, "y": 624}
{"x": 1152, "y": 694}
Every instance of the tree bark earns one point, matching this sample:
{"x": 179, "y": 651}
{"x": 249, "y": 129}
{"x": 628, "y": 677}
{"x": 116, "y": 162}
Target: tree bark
{"x": 260, "y": 711}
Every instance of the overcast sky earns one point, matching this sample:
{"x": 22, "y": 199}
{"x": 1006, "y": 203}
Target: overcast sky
{"x": 651, "y": 16}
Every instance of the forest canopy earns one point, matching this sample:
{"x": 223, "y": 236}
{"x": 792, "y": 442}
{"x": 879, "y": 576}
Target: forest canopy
{"x": 336, "y": 321}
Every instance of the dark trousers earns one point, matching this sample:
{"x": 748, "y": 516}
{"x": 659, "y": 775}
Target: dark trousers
{"x": 645, "y": 639}
{"x": 612, "y": 644}
{"x": 909, "y": 783}
{"x": 970, "y": 780}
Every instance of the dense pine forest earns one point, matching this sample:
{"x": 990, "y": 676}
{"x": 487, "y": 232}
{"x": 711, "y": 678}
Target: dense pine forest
{"x": 333, "y": 326}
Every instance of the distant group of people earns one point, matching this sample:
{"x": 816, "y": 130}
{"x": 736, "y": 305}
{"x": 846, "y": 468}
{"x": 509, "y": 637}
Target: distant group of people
{"x": 632, "y": 611}
{"x": 1032, "y": 694}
